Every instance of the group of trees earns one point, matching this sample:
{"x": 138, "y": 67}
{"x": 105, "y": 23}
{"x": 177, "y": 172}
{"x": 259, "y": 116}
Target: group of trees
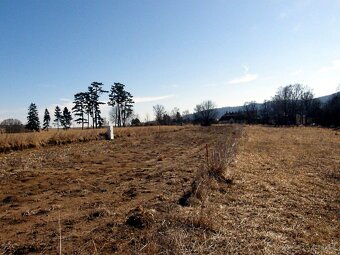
{"x": 329, "y": 113}
{"x": 122, "y": 104}
{"x": 11, "y": 126}
{"x": 173, "y": 118}
{"x": 86, "y": 109}
{"x": 291, "y": 105}
{"x": 86, "y": 105}
{"x": 204, "y": 114}
{"x": 63, "y": 119}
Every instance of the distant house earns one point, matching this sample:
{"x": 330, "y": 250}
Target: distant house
{"x": 232, "y": 117}
{"x": 300, "y": 119}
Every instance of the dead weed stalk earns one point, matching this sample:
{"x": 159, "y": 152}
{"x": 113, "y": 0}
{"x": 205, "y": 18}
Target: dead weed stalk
{"x": 214, "y": 171}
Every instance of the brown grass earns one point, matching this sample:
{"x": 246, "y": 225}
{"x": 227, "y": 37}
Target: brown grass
{"x": 277, "y": 194}
{"x": 20, "y": 141}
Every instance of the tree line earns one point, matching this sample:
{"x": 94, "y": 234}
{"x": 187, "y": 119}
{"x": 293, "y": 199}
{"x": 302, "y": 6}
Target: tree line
{"x": 291, "y": 105}
{"x": 204, "y": 114}
{"x": 86, "y": 109}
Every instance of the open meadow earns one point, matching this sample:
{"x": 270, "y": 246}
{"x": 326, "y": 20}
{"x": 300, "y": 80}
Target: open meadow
{"x": 177, "y": 190}
{"x": 21, "y": 141}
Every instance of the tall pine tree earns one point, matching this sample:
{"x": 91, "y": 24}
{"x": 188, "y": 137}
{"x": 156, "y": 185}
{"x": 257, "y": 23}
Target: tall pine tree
{"x": 66, "y": 118}
{"x": 80, "y": 108}
{"x": 122, "y": 103}
{"x": 58, "y": 116}
{"x": 94, "y": 92}
{"x": 33, "y": 122}
{"x": 47, "y": 120}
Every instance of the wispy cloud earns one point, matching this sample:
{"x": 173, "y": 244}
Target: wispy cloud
{"x": 151, "y": 99}
{"x": 66, "y": 100}
{"x": 243, "y": 79}
{"x": 334, "y": 66}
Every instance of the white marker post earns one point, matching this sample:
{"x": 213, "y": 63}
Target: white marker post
{"x": 110, "y": 135}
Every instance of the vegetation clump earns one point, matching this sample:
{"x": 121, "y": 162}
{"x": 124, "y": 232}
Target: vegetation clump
{"x": 139, "y": 218}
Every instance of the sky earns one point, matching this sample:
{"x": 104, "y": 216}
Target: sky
{"x": 177, "y": 53}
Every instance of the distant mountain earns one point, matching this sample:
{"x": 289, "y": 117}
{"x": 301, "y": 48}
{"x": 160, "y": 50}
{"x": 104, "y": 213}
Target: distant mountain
{"x": 222, "y": 110}
{"x": 325, "y": 99}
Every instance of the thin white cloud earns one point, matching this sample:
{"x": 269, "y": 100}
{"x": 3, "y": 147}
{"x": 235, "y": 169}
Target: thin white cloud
{"x": 245, "y": 78}
{"x": 151, "y": 99}
{"x": 335, "y": 66}
{"x": 66, "y": 100}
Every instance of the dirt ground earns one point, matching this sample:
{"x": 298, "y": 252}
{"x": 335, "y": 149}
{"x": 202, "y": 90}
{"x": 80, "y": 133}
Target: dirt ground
{"x": 91, "y": 187}
{"x": 283, "y": 197}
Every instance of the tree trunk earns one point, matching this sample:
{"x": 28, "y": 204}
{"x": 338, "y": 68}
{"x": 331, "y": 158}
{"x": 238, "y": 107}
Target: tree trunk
{"x": 119, "y": 115}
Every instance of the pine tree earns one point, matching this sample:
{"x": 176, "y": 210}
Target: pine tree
{"x": 94, "y": 92}
{"x": 127, "y": 107}
{"x": 122, "y": 102}
{"x": 66, "y": 118}
{"x": 33, "y": 122}
{"x": 80, "y": 108}
{"x": 47, "y": 120}
{"x": 58, "y": 116}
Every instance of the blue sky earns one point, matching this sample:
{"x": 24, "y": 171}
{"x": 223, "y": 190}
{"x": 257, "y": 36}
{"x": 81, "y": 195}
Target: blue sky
{"x": 175, "y": 53}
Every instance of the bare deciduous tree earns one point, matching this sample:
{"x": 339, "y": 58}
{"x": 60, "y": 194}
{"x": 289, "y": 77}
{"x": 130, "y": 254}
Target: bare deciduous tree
{"x": 205, "y": 113}
{"x": 250, "y": 111}
{"x": 290, "y": 101}
{"x": 159, "y": 112}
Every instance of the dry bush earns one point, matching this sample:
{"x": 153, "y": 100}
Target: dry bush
{"x": 219, "y": 160}
{"x": 213, "y": 171}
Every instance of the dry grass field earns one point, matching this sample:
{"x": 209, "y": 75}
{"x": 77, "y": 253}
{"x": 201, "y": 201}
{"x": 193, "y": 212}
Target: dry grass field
{"x": 191, "y": 190}
{"x": 10, "y": 142}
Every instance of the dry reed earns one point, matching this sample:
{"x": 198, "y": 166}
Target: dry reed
{"x": 20, "y": 141}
